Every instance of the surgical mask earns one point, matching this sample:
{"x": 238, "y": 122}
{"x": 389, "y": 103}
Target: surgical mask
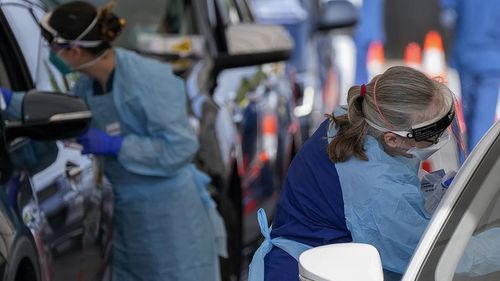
{"x": 63, "y": 67}
{"x": 426, "y": 152}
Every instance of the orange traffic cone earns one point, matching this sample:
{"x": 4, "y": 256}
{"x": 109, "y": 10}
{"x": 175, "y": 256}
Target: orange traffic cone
{"x": 269, "y": 136}
{"x": 413, "y": 56}
{"x": 375, "y": 59}
{"x": 434, "y": 61}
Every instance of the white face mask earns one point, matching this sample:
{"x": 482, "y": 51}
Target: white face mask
{"x": 424, "y": 153}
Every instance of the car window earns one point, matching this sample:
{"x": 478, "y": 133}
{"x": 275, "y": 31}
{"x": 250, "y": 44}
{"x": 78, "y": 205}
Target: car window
{"x": 150, "y": 16}
{"x": 23, "y": 21}
{"x": 27, "y": 33}
{"x": 33, "y": 156}
{"x": 481, "y": 260}
{"x": 153, "y": 16}
{"x": 467, "y": 246}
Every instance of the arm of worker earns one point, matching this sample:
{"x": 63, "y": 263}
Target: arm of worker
{"x": 170, "y": 142}
{"x": 482, "y": 254}
{"x": 393, "y": 222}
{"x": 12, "y": 102}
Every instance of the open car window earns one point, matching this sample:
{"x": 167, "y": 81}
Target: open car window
{"x": 33, "y": 156}
{"x": 26, "y": 30}
{"x": 463, "y": 240}
{"x": 22, "y": 21}
{"x": 23, "y": 18}
{"x": 481, "y": 258}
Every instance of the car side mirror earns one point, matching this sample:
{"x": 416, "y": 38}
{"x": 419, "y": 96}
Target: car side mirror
{"x": 49, "y": 116}
{"x": 254, "y": 44}
{"x": 343, "y": 261}
{"x": 335, "y": 14}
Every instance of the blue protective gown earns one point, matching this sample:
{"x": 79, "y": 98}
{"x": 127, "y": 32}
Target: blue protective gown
{"x": 163, "y": 229}
{"x": 383, "y": 204}
{"x": 476, "y": 55}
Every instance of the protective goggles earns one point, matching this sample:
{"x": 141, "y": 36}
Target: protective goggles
{"x": 53, "y": 37}
{"x": 426, "y": 131}
{"x": 429, "y": 131}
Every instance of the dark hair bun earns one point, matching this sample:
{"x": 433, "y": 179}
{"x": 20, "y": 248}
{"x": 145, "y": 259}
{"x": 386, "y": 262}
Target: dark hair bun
{"x": 111, "y": 25}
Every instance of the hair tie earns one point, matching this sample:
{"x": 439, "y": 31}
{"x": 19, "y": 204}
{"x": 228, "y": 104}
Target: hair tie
{"x": 362, "y": 91}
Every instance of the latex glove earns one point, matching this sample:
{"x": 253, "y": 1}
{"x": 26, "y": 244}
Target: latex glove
{"x": 97, "y": 142}
{"x": 7, "y": 95}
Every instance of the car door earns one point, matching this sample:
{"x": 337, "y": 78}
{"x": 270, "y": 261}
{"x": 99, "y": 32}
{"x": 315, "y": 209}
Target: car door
{"x": 70, "y": 212}
{"x": 461, "y": 243}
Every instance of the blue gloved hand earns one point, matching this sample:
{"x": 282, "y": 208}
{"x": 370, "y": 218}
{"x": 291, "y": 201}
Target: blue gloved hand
{"x": 97, "y": 142}
{"x": 7, "y": 95}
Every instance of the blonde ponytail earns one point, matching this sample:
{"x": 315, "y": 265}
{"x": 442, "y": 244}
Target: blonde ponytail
{"x": 351, "y": 130}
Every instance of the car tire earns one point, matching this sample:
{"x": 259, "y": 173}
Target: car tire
{"x": 23, "y": 263}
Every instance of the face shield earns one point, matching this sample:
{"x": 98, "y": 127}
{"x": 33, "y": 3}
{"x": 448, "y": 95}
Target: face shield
{"x": 430, "y": 131}
{"x": 441, "y": 132}
{"x": 424, "y": 153}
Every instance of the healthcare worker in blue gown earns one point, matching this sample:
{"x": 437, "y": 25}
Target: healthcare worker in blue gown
{"x": 166, "y": 225}
{"x": 356, "y": 178}
{"x": 476, "y": 56}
